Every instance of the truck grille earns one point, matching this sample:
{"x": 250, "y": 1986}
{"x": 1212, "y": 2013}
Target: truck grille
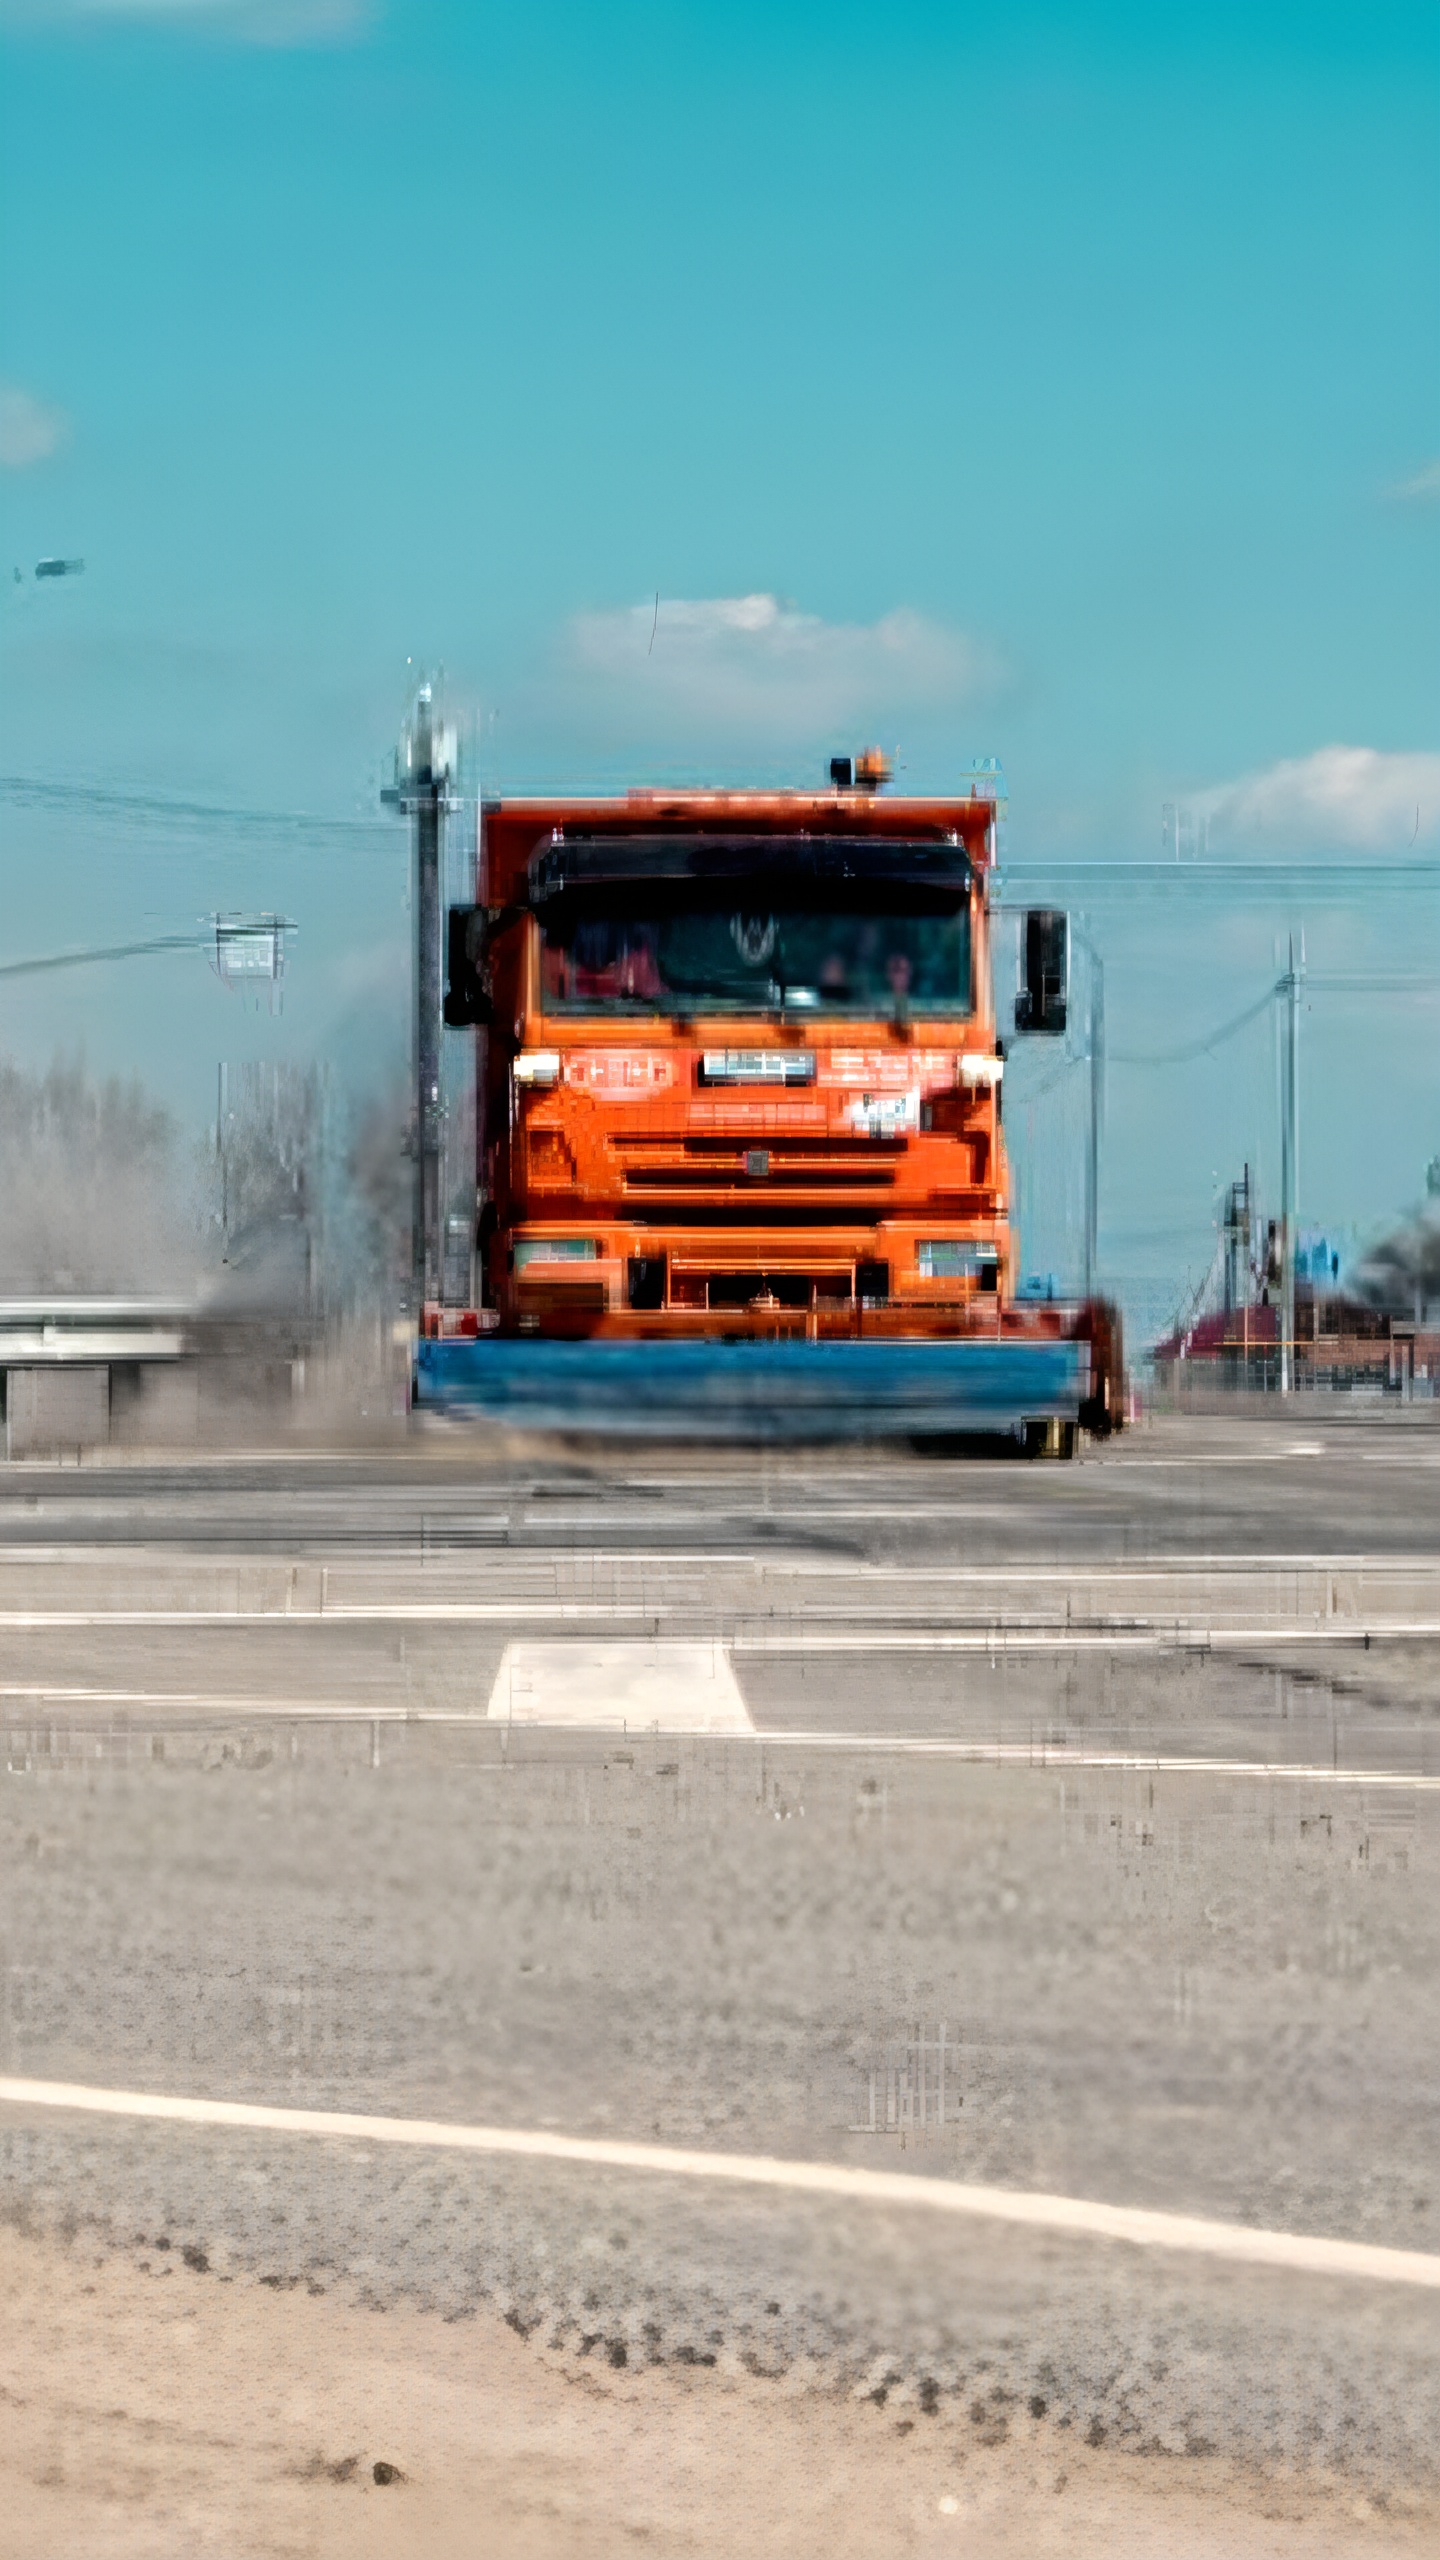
{"x": 778, "y": 1177}
{"x": 804, "y": 1165}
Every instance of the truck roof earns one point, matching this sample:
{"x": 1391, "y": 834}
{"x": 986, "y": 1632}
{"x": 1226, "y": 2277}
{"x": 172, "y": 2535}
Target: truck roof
{"x": 514, "y": 828}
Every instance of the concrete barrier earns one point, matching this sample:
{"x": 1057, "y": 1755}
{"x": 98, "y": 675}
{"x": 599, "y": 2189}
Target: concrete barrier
{"x": 56, "y": 1411}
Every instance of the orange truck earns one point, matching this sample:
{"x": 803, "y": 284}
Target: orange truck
{"x": 741, "y": 1162}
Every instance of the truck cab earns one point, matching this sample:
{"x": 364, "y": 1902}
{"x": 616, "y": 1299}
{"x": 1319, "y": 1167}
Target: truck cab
{"x": 739, "y": 1071}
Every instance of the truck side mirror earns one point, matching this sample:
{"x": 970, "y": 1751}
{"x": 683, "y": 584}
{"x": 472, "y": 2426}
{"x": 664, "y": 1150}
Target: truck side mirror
{"x": 467, "y": 987}
{"x": 1043, "y": 1001}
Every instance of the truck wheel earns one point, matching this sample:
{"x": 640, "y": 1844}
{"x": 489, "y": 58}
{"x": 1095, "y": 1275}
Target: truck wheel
{"x": 1050, "y": 1439}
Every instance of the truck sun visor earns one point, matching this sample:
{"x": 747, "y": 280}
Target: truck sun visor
{"x": 565, "y": 867}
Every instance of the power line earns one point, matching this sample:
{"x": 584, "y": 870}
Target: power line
{"x": 1373, "y": 982}
{"x": 108, "y": 951}
{"x": 1017, "y": 870}
{"x": 1358, "y": 982}
{"x": 247, "y": 947}
{"x": 1196, "y": 1048}
{"x": 1056, "y": 1077}
{"x": 1320, "y": 877}
{"x": 141, "y": 808}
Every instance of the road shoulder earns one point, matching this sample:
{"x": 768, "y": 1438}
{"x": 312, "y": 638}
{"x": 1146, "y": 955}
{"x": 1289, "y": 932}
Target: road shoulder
{"x": 152, "y": 2407}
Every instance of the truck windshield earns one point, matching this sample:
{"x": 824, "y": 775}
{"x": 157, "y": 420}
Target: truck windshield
{"x": 726, "y": 959}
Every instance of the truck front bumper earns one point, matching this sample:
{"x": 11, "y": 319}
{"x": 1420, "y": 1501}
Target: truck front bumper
{"x": 759, "y": 1390}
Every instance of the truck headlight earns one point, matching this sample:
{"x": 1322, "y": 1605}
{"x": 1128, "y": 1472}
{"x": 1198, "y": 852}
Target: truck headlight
{"x": 537, "y": 1066}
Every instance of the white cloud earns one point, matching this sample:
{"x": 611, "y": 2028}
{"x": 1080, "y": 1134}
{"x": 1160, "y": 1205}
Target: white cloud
{"x": 1344, "y": 797}
{"x": 751, "y": 666}
{"x": 1423, "y": 486}
{"x": 29, "y": 431}
{"x": 266, "y": 22}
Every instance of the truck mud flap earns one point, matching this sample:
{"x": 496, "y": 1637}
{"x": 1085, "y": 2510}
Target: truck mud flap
{"x": 765, "y": 1391}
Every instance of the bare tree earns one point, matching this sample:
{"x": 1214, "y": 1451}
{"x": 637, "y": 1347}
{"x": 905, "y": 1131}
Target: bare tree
{"x": 92, "y": 1186}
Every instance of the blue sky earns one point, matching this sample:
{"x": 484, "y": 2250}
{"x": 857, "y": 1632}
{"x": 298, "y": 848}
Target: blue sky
{"x": 1068, "y": 378}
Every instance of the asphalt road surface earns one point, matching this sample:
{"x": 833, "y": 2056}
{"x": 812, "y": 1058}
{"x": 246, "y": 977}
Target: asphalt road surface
{"x": 1176, "y": 1488}
{"x": 1119, "y": 1778}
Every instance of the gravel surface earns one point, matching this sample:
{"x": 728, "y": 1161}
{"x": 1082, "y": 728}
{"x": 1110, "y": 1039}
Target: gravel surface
{"x": 1192, "y": 1993}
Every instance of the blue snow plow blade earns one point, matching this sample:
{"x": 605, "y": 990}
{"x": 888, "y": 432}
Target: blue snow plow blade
{"x": 756, "y": 1390}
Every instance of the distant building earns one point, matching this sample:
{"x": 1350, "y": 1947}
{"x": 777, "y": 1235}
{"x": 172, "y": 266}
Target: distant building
{"x": 1381, "y": 1331}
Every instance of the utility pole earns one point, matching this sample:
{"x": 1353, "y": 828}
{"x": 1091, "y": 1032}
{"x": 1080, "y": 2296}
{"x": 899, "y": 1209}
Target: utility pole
{"x": 1097, "y": 1110}
{"x": 422, "y": 775}
{"x": 1095, "y": 1041}
{"x": 1237, "y": 1244}
{"x": 1289, "y": 1164}
{"x": 222, "y": 1149}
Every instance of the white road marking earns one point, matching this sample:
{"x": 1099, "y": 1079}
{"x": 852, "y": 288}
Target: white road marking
{"x": 1139, "y": 1569}
{"x": 1138, "y": 2226}
{"x": 827, "y": 1634}
{"x": 1117, "y": 1461}
{"x": 438, "y": 1559}
{"x": 1044, "y": 1755}
{"x": 1176, "y": 1635}
{"x": 432, "y": 1555}
{"x": 661, "y": 1686}
{"x": 1040, "y": 1756}
{"x": 44, "y": 1694}
{"x": 341, "y": 1613}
